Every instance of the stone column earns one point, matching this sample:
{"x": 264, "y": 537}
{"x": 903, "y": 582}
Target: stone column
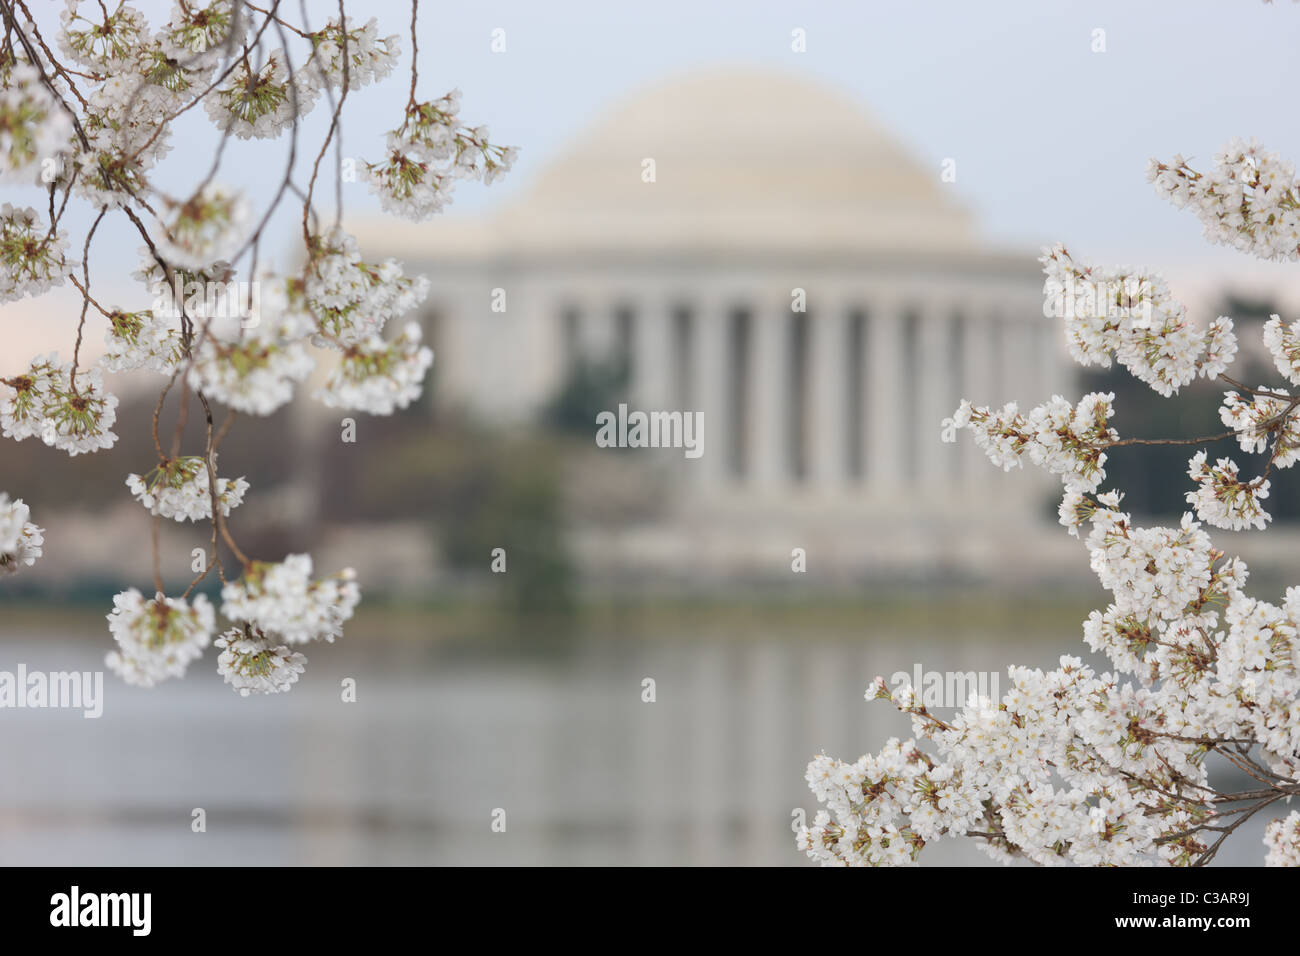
{"x": 652, "y": 356}
{"x": 769, "y": 393}
{"x": 710, "y": 364}
{"x": 596, "y": 329}
{"x": 934, "y": 391}
{"x": 1021, "y": 373}
{"x": 539, "y": 363}
{"x": 464, "y": 313}
{"x": 829, "y": 411}
{"x": 1049, "y": 350}
{"x": 885, "y": 395}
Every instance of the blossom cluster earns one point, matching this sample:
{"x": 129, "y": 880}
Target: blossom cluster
{"x": 88, "y": 116}
{"x": 273, "y": 605}
{"x": 252, "y": 663}
{"x": 157, "y": 639}
{"x": 1078, "y": 766}
{"x": 1250, "y": 200}
{"x": 20, "y": 540}
{"x": 196, "y": 36}
{"x": 1064, "y": 439}
{"x": 32, "y": 258}
{"x": 208, "y": 227}
{"x": 103, "y": 45}
{"x": 1222, "y": 499}
{"x": 261, "y": 101}
{"x": 282, "y": 600}
{"x": 1072, "y": 766}
{"x": 178, "y": 488}
{"x": 73, "y": 416}
{"x": 1283, "y": 343}
{"x": 351, "y": 299}
{"x": 370, "y": 57}
{"x": 1268, "y": 414}
{"x": 33, "y": 126}
{"x": 253, "y": 364}
{"x": 1132, "y": 317}
{"x": 377, "y": 376}
{"x": 1282, "y": 837}
{"x": 429, "y": 153}
{"x": 142, "y": 340}
{"x": 1149, "y": 570}
{"x": 1039, "y": 775}
{"x": 1156, "y": 627}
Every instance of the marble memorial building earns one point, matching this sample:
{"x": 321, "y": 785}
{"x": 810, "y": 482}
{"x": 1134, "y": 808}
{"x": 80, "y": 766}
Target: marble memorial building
{"x": 753, "y": 246}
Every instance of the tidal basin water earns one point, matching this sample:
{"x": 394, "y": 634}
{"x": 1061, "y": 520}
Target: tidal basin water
{"x": 446, "y": 734}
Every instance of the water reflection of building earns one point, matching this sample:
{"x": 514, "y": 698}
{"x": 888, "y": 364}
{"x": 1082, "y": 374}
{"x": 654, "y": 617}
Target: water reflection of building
{"x": 821, "y": 426}
{"x": 587, "y": 772}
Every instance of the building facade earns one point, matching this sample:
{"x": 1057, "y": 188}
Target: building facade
{"x": 752, "y": 246}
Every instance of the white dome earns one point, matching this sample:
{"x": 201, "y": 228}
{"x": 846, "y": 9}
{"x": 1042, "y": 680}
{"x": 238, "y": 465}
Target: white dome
{"x": 745, "y": 160}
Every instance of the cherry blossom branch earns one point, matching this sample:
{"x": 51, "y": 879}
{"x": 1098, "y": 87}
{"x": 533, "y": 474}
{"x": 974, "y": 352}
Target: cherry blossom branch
{"x": 338, "y": 302}
{"x": 415, "y": 55}
{"x": 85, "y": 295}
{"x": 334, "y": 123}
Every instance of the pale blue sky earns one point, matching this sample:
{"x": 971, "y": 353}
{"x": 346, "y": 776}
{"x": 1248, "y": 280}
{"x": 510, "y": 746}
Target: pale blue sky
{"x": 1051, "y": 139}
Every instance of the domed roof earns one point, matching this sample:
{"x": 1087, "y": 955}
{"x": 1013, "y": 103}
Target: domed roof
{"x": 744, "y": 160}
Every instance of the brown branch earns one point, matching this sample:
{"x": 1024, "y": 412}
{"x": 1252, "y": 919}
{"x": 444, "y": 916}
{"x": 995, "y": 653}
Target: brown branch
{"x": 166, "y": 120}
{"x": 1209, "y": 854}
{"x": 85, "y": 297}
{"x": 334, "y": 122}
{"x": 157, "y": 557}
{"x": 415, "y": 52}
{"x": 58, "y": 67}
{"x": 219, "y": 523}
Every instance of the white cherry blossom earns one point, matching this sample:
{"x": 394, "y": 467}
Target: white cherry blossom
{"x": 428, "y": 154}
{"x": 20, "y": 539}
{"x": 33, "y": 260}
{"x": 142, "y": 340}
{"x": 252, "y": 663}
{"x": 1282, "y": 837}
{"x": 45, "y": 402}
{"x": 1283, "y": 343}
{"x": 262, "y": 102}
{"x": 91, "y": 97}
{"x": 283, "y": 601}
{"x": 1224, "y": 500}
{"x": 370, "y": 57}
{"x": 34, "y": 128}
{"x": 377, "y": 376}
{"x": 157, "y": 639}
{"x": 1249, "y": 199}
{"x": 1132, "y": 317}
{"x": 178, "y": 488}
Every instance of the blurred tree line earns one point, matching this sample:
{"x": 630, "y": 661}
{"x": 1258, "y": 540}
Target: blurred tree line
{"x": 589, "y": 388}
{"x": 481, "y": 488}
{"x": 1154, "y": 478}
{"x": 477, "y": 488}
